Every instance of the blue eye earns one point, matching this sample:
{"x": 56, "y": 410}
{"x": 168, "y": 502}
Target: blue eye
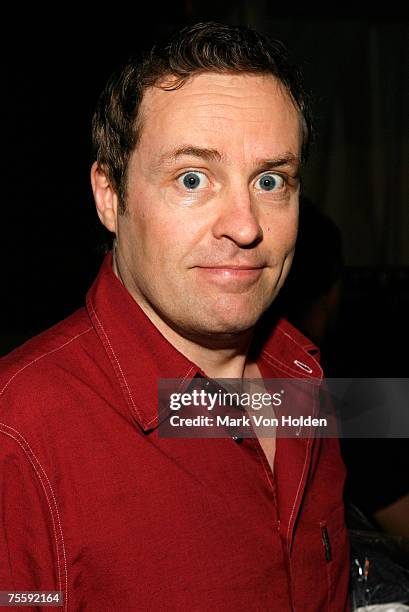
{"x": 270, "y": 182}
{"x": 194, "y": 180}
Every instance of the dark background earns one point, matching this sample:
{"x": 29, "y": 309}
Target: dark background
{"x": 55, "y": 65}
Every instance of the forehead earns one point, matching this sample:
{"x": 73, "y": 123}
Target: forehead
{"x": 223, "y": 111}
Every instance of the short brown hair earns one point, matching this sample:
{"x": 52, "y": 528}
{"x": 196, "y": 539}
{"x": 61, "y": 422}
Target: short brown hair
{"x": 204, "y": 47}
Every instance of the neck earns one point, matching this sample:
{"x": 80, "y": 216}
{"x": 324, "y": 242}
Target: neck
{"x": 225, "y": 358}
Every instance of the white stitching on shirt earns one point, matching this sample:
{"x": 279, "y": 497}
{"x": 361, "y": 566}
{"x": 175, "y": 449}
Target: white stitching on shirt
{"x": 7, "y": 433}
{"x": 261, "y": 456}
{"x": 298, "y": 491}
{"x": 181, "y": 383}
{"x": 28, "y": 446}
{"x": 41, "y": 356}
{"x": 309, "y": 442}
{"x": 116, "y": 359}
{"x": 120, "y": 369}
{"x": 299, "y": 346}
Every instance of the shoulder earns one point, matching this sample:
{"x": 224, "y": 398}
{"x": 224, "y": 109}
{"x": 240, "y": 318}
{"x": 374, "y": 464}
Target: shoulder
{"x": 40, "y": 363}
{"x": 42, "y": 350}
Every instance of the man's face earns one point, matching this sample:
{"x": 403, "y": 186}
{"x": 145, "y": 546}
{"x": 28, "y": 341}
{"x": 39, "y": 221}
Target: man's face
{"x": 212, "y": 202}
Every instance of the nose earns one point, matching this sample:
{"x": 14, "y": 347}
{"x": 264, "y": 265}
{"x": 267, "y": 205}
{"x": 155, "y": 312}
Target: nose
{"x": 237, "y": 219}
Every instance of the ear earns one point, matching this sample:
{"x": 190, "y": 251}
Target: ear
{"x": 105, "y": 196}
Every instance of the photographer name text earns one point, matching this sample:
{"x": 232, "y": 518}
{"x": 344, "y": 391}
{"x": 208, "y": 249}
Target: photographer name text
{"x": 247, "y": 421}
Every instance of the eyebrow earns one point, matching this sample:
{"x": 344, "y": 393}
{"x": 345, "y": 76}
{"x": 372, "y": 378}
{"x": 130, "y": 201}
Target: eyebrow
{"x": 287, "y": 159}
{"x": 191, "y": 151}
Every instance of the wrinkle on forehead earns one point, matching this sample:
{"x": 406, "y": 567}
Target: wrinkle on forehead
{"x": 242, "y": 110}
{"x": 246, "y": 91}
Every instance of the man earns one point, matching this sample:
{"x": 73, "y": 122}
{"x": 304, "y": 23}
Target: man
{"x": 198, "y": 152}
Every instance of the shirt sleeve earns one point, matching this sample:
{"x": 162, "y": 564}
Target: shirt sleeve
{"x": 27, "y": 541}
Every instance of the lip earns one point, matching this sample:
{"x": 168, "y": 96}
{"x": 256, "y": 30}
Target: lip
{"x": 231, "y": 275}
{"x": 231, "y": 267}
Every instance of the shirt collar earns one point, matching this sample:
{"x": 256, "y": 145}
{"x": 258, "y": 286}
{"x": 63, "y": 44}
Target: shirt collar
{"x": 140, "y": 355}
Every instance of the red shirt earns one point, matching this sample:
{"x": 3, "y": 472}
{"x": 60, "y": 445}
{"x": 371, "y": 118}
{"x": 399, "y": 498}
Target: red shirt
{"x": 95, "y": 504}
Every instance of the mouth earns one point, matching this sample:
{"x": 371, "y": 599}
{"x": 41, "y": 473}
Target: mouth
{"x": 232, "y": 267}
{"x": 227, "y": 274}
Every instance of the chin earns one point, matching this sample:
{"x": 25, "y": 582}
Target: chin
{"x": 226, "y": 317}
{"x": 223, "y": 326}
{"x": 235, "y": 320}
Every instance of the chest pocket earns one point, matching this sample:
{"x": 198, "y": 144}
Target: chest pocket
{"x": 320, "y": 564}
{"x": 334, "y": 537}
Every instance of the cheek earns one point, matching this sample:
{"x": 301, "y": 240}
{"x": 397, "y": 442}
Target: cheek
{"x": 281, "y": 235}
{"x": 158, "y": 240}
